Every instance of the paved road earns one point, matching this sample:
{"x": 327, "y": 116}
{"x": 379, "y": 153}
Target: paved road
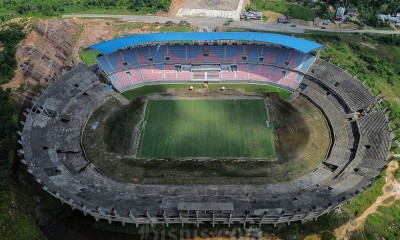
{"x": 218, "y": 22}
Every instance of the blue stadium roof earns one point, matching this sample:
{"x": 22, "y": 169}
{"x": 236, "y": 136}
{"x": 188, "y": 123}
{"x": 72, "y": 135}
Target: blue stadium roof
{"x": 299, "y": 44}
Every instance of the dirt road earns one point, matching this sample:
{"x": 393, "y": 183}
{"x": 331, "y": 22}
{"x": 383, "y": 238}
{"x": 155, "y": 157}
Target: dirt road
{"x": 218, "y": 22}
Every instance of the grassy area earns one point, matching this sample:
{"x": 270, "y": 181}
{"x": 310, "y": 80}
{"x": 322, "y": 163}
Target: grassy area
{"x": 58, "y": 7}
{"x": 396, "y": 174}
{"x": 78, "y": 35}
{"x": 294, "y": 10}
{"x": 384, "y": 224}
{"x": 206, "y": 128}
{"x": 88, "y": 56}
{"x": 162, "y": 88}
{"x": 359, "y": 204}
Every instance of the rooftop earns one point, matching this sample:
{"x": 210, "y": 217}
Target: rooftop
{"x": 299, "y": 44}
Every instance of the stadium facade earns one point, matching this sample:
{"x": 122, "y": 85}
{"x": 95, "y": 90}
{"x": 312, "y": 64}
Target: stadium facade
{"x": 359, "y": 129}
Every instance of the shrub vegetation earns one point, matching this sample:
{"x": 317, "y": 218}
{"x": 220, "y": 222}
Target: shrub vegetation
{"x": 10, "y": 36}
{"x": 58, "y": 7}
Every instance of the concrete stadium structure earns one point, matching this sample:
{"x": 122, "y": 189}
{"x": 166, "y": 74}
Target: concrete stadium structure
{"x": 359, "y": 128}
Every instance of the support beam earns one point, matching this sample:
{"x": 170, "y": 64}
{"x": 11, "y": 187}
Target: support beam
{"x": 294, "y": 216}
{"x": 135, "y": 221}
{"x": 165, "y": 218}
{"x": 149, "y": 218}
{"x": 181, "y": 219}
{"x": 85, "y": 210}
{"x": 116, "y": 214}
{"x": 261, "y": 220}
{"x": 197, "y": 219}
{"x": 306, "y": 217}
{"x": 245, "y": 220}
{"x": 277, "y": 220}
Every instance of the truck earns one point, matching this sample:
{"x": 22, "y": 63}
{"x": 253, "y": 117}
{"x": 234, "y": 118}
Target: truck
{"x": 284, "y": 19}
{"x": 251, "y": 15}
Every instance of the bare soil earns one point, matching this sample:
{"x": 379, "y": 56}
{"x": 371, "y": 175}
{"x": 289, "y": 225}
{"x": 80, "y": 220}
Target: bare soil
{"x": 175, "y": 6}
{"x": 272, "y": 16}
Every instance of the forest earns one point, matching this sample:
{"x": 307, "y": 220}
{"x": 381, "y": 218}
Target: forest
{"x": 10, "y": 36}
{"x": 59, "y": 7}
{"x": 308, "y": 9}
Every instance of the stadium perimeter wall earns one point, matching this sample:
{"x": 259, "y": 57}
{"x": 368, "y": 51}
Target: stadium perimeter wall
{"x": 58, "y": 164}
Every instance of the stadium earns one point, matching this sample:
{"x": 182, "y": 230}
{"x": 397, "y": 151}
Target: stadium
{"x": 216, "y": 132}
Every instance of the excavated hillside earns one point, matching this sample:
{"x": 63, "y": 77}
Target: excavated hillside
{"x": 42, "y": 56}
{"x": 53, "y": 46}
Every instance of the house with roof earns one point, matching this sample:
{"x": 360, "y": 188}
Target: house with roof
{"x": 340, "y": 13}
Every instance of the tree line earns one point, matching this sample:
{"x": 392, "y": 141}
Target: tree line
{"x": 10, "y": 36}
{"x": 307, "y": 9}
{"x": 58, "y": 7}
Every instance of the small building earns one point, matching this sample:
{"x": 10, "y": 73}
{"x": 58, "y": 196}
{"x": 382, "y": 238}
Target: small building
{"x": 317, "y": 20}
{"x": 352, "y": 12}
{"x": 388, "y": 17}
{"x": 340, "y": 13}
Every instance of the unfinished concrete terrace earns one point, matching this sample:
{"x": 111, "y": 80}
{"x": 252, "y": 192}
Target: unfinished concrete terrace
{"x": 59, "y": 164}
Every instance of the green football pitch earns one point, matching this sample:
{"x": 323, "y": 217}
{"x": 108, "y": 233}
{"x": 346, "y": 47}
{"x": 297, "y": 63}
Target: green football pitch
{"x": 206, "y": 128}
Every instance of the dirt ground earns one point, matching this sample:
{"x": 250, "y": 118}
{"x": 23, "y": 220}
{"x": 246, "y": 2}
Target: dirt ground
{"x": 175, "y": 6}
{"x": 272, "y": 16}
{"x": 222, "y": 5}
{"x": 296, "y": 140}
{"x": 343, "y": 232}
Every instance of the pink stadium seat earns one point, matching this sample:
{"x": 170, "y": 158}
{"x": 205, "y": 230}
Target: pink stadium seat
{"x": 242, "y": 75}
{"x": 183, "y": 76}
{"x": 228, "y": 76}
{"x": 152, "y": 73}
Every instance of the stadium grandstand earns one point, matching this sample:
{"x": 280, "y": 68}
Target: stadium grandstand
{"x": 359, "y": 130}
{"x": 226, "y": 57}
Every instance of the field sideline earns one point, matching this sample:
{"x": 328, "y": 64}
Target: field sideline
{"x": 206, "y": 128}
{"x": 162, "y": 88}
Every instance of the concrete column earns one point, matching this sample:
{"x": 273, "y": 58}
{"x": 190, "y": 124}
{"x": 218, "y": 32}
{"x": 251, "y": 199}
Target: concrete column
{"x": 116, "y": 214}
{"x": 245, "y": 220}
{"x": 370, "y": 89}
{"x": 149, "y": 218}
{"x": 230, "y": 220}
{"x": 197, "y": 219}
{"x": 180, "y": 218}
{"x": 261, "y": 220}
{"x": 165, "y": 218}
{"x": 85, "y": 210}
{"x": 277, "y": 220}
{"x": 133, "y": 218}
{"x": 305, "y": 217}
{"x": 294, "y": 216}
